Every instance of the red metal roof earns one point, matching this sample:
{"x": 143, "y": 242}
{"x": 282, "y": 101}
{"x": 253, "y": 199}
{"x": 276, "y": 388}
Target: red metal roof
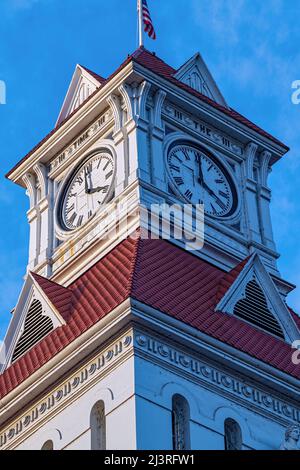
{"x": 58, "y": 295}
{"x": 158, "y": 274}
{"x": 158, "y": 66}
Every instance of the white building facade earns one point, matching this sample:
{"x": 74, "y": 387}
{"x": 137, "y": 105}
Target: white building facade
{"x": 122, "y": 342}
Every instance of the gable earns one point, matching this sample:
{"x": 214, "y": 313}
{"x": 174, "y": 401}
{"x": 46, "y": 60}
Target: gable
{"x": 253, "y": 307}
{"x": 254, "y": 298}
{"x": 196, "y": 75}
{"x": 83, "y": 84}
{"x": 33, "y": 318}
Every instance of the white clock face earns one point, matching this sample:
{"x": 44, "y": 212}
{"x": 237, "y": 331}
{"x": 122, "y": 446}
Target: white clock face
{"x": 87, "y": 191}
{"x": 201, "y": 180}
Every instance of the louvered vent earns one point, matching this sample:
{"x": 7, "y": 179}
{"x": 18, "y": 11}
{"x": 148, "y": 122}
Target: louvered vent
{"x": 254, "y": 309}
{"x": 35, "y": 328}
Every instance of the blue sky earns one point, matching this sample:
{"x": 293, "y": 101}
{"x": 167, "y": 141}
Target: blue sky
{"x": 250, "y": 46}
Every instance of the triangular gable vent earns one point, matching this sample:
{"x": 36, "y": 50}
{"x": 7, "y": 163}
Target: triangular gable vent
{"x": 196, "y": 74}
{"x": 36, "y": 327}
{"x": 249, "y": 293}
{"x": 83, "y": 84}
{"x": 254, "y": 309}
{"x": 41, "y": 307}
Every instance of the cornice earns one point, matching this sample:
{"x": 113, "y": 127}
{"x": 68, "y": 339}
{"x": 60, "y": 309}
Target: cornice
{"x": 217, "y": 351}
{"x": 90, "y": 110}
{"x": 134, "y": 329}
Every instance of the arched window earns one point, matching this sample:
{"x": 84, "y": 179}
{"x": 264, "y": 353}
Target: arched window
{"x": 180, "y": 423}
{"x": 98, "y": 427}
{"x": 48, "y": 445}
{"x": 233, "y": 435}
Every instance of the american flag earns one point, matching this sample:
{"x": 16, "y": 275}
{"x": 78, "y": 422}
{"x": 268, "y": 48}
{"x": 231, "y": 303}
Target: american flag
{"x": 148, "y": 25}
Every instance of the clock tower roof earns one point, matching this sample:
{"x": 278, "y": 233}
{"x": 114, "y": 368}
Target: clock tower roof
{"x": 150, "y": 61}
{"x": 158, "y": 275}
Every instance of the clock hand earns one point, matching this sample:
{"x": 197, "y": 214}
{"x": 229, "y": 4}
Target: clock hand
{"x": 213, "y": 194}
{"x": 87, "y": 189}
{"x": 98, "y": 189}
{"x": 201, "y": 177}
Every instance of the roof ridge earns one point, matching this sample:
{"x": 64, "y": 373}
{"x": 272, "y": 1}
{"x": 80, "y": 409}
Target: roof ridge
{"x": 135, "y": 260}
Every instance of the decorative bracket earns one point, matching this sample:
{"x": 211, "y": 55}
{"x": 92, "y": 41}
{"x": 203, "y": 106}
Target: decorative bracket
{"x": 127, "y": 95}
{"x": 159, "y": 100}
{"x": 30, "y": 182}
{"x": 251, "y": 150}
{"x": 143, "y": 93}
{"x": 265, "y": 158}
{"x": 41, "y": 173}
{"x": 115, "y": 105}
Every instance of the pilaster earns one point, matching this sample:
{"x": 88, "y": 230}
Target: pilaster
{"x": 251, "y": 195}
{"x": 45, "y": 210}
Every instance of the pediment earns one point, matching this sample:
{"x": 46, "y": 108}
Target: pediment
{"x": 34, "y": 316}
{"x": 84, "y": 82}
{"x": 196, "y": 74}
{"x": 254, "y": 298}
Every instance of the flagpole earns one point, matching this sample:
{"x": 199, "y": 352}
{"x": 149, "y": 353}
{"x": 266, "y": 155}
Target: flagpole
{"x": 141, "y": 34}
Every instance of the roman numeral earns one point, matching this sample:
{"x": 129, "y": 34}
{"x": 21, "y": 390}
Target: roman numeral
{"x": 189, "y": 194}
{"x": 108, "y": 175}
{"x": 197, "y": 156}
{"x": 213, "y": 209}
{"x": 90, "y": 213}
{"x": 72, "y": 218}
{"x": 174, "y": 167}
{"x": 79, "y": 180}
{"x": 210, "y": 167}
{"x": 220, "y": 181}
{"x": 99, "y": 163}
{"x": 80, "y": 220}
{"x": 89, "y": 168}
{"x": 174, "y": 155}
{"x": 221, "y": 204}
{"x": 70, "y": 209}
{"x": 224, "y": 194}
{"x": 186, "y": 153}
{"x": 179, "y": 180}
{"x": 106, "y": 165}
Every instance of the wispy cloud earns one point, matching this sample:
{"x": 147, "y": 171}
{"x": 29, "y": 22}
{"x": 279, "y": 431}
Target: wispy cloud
{"x": 22, "y": 4}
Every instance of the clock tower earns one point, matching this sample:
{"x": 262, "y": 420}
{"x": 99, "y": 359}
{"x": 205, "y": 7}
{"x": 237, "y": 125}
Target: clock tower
{"x": 128, "y": 328}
